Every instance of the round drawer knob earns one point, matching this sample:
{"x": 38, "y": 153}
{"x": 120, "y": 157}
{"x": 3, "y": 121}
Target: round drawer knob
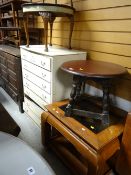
{"x": 43, "y": 75}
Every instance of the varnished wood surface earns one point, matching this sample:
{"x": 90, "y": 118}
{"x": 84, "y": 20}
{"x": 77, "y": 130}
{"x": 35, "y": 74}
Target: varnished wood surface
{"x": 97, "y": 141}
{"x": 92, "y": 150}
{"x": 10, "y": 50}
{"x": 92, "y": 68}
{"x": 123, "y": 165}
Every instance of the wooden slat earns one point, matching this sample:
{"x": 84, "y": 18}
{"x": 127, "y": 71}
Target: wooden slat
{"x": 123, "y": 89}
{"x": 124, "y": 61}
{"x": 109, "y": 37}
{"x": 111, "y": 48}
{"x": 90, "y": 5}
{"x": 120, "y": 25}
{"x": 104, "y": 14}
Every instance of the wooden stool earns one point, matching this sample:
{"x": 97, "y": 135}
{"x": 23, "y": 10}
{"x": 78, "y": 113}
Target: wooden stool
{"x": 98, "y": 71}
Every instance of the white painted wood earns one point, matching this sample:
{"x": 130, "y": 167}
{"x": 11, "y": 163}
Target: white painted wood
{"x": 44, "y": 85}
{"x": 39, "y": 60}
{"x": 42, "y": 94}
{"x": 34, "y": 107}
{"x": 43, "y": 80}
{"x": 44, "y": 74}
{"x": 35, "y": 97}
{"x": 31, "y": 114}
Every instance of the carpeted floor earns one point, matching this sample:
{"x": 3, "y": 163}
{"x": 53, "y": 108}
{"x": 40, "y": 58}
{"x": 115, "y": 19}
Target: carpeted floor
{"x": 7, "y": 124}
{"x": 30, "y": 133}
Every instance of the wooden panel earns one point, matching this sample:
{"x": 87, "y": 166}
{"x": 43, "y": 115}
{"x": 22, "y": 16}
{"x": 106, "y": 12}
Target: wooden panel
{"x": 123, "y": 89}
{"x": 109, "y": 37}
{"x": 119, "y": 25}
{"x": 118, "y": 49}
{"x": 90, "y": 5}
{"x": 104, "y": 14}
{"x": 81, "y": 5}
{"x": 124, "y": 61}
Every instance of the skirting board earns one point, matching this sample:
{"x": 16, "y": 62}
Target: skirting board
{"x": 117, "y": 101}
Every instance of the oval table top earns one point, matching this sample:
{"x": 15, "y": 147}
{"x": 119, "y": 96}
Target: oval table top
{"x": 48, "y": 7}
{"x": 92, "y": 68}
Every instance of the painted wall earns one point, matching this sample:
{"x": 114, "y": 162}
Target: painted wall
{"x": 103, "y": 29}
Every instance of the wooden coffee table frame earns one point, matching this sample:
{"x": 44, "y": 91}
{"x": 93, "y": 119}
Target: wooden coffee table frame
{"x": 94, "y": 149}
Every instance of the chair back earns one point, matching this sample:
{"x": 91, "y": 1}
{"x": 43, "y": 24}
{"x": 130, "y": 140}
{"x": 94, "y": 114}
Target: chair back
{"x": 123, "y": 164}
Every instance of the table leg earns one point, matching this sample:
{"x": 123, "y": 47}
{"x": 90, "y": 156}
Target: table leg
{"x": 25, "y": 20}
{"x": 45, "y": 129}
{"x": 45, "y": 17}
{"x": 71, "y": 29}
{"x": 105, "y": 106}
{"x": 75, "y": 93}
{"x": 52, "y": 18}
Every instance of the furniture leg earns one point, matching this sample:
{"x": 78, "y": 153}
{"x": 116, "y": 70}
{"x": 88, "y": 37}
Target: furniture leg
{"x": 25, "y": 20}
{"x": 20, "y": 103}
{"x": 52, "y": 18}
{"x": 45, "y": 17}
{"x": 75, "y": 93}
{"x": 105, "y": 106}
{"x": 45, "y": 129}
{"x": 71, "y": 29}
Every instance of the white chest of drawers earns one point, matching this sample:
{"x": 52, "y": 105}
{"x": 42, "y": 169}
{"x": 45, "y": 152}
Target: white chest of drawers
{"x": 44, "y": 81}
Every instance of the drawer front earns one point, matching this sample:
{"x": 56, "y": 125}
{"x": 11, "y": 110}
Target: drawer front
{"x": 30, "y": 113}
{"x": 35, "y": 108}
{"x": 35, "y": 97}
{"x": 3, "y": 66}
{"x": 44, "y": 85}
{"x": 12, "y": 81}
{"x": 12, "y": 74}
{"x": 42, "y": 73}
{"x": 4, "y": 74}
{"x": 39, "y": 60}
{"x": 11, "y": 58}
{"x": 12, "y": 93}
{"x": 14, "y": 88}
{"x": 42, "y": 94}
{"x": 2, "y": 60}
{"x": 11, "y": 65}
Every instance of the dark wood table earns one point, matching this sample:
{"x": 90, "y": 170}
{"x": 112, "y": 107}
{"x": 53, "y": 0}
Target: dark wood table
{"x": 98, "y": 71}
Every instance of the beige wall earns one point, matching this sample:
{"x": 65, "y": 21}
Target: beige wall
{"x": 103, "y": 28}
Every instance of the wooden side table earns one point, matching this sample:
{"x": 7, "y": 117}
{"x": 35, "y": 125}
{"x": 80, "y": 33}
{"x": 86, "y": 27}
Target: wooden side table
{"x": 49, "y": 12}
{"x": 81, "y": 149}
{"x": 98, "y": 71}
